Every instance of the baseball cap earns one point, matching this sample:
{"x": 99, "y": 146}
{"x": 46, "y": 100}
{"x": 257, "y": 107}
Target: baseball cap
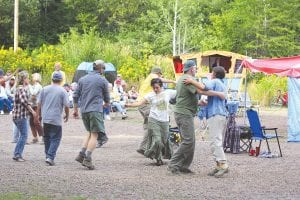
{"x": 57, "y": 76}
{"x": 188, "y": 64}
{"x": 156, "y": 70}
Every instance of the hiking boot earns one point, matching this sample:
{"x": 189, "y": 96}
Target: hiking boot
{"x": 140, "y": 151}
{"x": 186, "y": 171}
{"x": 213, "y": 171}
{"x": 80, "y": 158}
{"x": 50, "y": 162}
{"x": 87, "y": 162}
{"x": 101, "y": 142}
{"x": 124, "y": 116}
{"x": 221, "y": 171}
{"x": 18, "y": 159}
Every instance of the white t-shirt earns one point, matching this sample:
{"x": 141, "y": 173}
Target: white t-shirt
{"x": 160, "y": 104}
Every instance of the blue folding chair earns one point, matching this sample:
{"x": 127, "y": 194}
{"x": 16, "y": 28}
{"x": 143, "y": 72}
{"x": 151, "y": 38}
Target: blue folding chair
{"x": 259, "y": 132}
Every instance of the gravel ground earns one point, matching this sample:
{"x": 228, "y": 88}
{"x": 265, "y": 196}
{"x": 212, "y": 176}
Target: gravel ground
{"x": 121, "y": 173}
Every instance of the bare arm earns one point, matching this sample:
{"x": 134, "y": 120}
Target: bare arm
{"x": 167, "y": 81}
{"x": 67, "y": 111}
{"x": 136, "y": 104}
{"x": 198, "y": 85}
{"x": 221, "y": 95}
{"x": 200, "y": 88}
{"x": 8, "y": 77}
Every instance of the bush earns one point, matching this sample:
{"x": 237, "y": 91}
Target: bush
{"x": 264, "y": 89}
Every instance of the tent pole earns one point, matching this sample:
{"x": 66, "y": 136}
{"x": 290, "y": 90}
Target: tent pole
{"x": 245, "y": 98}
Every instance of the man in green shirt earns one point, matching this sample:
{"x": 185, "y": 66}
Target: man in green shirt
{"x": 185, "y": 110}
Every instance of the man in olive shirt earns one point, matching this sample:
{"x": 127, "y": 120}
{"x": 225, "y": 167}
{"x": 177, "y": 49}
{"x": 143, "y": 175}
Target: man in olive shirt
{"x": 185, "y": 110}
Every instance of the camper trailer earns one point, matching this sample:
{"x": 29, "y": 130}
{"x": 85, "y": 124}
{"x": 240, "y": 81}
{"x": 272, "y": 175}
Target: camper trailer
{"x": 205, "y": 61}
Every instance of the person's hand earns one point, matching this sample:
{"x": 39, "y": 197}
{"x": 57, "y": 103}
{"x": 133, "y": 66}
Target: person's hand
{"x": 105, "y": 105}
{"x": 188, "y": 81}
{"x": 75, "y": 113}
{"x": 202, "y": 103}
{"x": 66, "y": 118}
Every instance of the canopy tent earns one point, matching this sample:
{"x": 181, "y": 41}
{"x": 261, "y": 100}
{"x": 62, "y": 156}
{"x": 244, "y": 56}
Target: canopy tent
{"x": 290, "y": 67}
{"x": 83, "y": 68}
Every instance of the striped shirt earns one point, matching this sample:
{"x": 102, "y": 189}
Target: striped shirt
{"x": 20, "y": 103}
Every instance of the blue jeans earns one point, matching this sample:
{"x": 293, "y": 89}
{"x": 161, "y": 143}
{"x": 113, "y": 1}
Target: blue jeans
{"x": 22, "y": 125}
{"x": 106, "y": 110}
{"x": 118, "y": 106}
{"x": 52, "y": 138}
{"x": 7, "y": 103}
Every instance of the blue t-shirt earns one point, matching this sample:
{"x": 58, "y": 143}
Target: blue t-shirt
{"x": 216, "y": 106}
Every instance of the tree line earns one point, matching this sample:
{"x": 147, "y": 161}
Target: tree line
{"x": 258, "y": 28}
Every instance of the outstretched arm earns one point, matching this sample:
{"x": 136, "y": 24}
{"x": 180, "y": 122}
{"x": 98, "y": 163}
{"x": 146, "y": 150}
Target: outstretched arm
{"x": 201, "y": 89}
{"x": 198, "y": 85}
{"x": 221, "y": 95}
{"x": 167, "y": 81}
{"x": 136, "y": 104}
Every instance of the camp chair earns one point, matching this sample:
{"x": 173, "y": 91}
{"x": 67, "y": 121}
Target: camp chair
{"x": 259, "y": 132}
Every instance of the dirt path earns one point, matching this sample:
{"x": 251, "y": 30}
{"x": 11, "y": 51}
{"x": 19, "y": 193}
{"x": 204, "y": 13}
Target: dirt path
{"x": 121, "y": 173}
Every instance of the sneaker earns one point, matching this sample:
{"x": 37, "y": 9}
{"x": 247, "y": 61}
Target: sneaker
{"x": 221, "y": 171}
{"x": 49, "y": 161}
{"x": 124, "y": 116}
{"x": 80, "y": 158}
{"x": 1, "y": 112}
{"x": 213, "y": 171}
{"x": 87, "y": 162}
{"x": 10, "y": 112}
{"x": 101, "y": 142}
{"x": 18, "y": 159}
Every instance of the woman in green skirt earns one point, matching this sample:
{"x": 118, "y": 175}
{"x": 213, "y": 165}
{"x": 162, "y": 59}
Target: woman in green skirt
{"x": 158, "y": 124}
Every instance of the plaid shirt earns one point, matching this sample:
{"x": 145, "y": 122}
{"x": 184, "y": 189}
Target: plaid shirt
{"x": 21, "y": 102}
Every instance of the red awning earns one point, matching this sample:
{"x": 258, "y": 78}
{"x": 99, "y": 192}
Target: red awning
{"x": 289, "y": 66}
